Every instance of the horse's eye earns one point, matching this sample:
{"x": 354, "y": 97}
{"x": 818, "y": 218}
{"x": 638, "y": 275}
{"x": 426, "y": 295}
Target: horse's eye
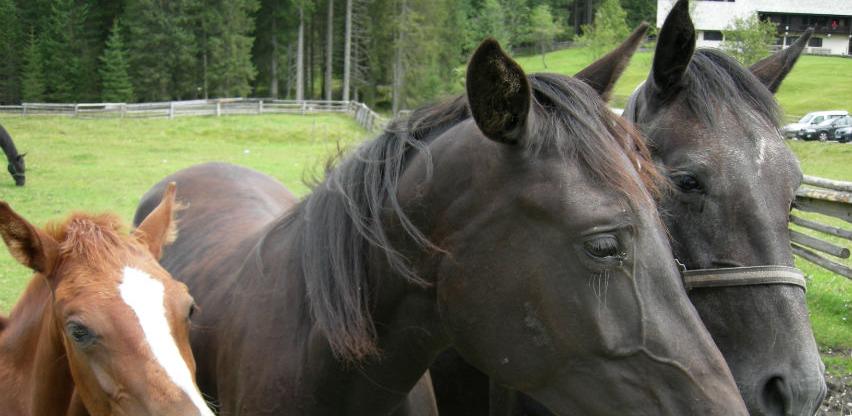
{"x": 192, "y": 309}
{"x": 80, "y": 334}
{"x": 686, "y": 182}
{"x": 603, "y": 247}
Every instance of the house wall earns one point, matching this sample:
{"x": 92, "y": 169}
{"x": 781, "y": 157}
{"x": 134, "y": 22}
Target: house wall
{"x": 718, "y": 15}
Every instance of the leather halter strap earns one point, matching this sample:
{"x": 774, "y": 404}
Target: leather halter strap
{"x": 743, "y": 276}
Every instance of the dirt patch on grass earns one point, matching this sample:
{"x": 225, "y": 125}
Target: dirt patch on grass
{"x": 838, "y": 401}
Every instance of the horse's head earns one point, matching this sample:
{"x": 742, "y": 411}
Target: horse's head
{"x": 16, "y": 168}
{"x": 558, "y": 279}
{"x": 121, "y": 318}
{"x": 712, "y": 126}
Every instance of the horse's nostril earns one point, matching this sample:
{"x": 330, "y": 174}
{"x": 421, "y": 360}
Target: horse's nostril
{"x": 775, "y": 397}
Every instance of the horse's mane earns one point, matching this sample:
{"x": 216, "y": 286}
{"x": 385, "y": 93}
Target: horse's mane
{"x": 715, "y": 81}
{"x": 8, "y": 145}
{"x": 345, "y": 214}
{"x": 97, "y": 239}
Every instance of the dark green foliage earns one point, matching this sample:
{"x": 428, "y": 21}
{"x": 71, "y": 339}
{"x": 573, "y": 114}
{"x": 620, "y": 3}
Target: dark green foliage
{"x": 639, "y": 11}
{"x": 226, "y": 43}
{"x": 10, "y": 53}
{"x": 32, "y": 86}
{"x": 62, "y": 45}
{"x": 115, "y": 81}
{"x": 402, "y": 51}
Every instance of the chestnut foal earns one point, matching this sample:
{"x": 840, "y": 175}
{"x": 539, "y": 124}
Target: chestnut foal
{"x": 101, "y": 329}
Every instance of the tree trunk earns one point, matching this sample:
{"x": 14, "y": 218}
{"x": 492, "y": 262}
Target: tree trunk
{"x": 347, "y": 50}
{"x": 329, "y": 34}
{"x": 273, "y": 61}
{"x": 300, "y": 57}
{"x": 398, "y": 72}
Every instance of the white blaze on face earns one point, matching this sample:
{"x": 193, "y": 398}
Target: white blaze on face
{"x": 145, "y": 296}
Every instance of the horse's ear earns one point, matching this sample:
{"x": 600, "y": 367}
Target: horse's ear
{"x": 21, "y": 156}
{"x": 675, "y": 46}
{"x": 29, "y": 245}
{"x": 603, "y": 73}
{"x": 498, "y": 93}
{"x": 774, "y": 68}
{"x": 159, "y": 228}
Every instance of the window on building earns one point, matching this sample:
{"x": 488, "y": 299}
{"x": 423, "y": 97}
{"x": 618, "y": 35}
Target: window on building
{"x": 779, "y": 41}
{"x": 791, "y": 40}
{"x": 712, "y": 35}
{"x": 815, "y": 42}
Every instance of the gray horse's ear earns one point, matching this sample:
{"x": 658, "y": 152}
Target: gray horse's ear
{"x": 498, "y": 94}
{"x": 675, "y": 46}
{"x": 774, "y": 68}
{"x": 604, "y": 73}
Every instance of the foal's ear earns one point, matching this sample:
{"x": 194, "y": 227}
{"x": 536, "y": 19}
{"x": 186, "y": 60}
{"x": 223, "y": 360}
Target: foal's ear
{"x": 603, "y": 73}
{"x": 774, "y": 68}
{"x": 159, "y": 228}
{"x": 29, "y": 245}
{"x": 675, "y": 46}
{"x": 498, "y": 93}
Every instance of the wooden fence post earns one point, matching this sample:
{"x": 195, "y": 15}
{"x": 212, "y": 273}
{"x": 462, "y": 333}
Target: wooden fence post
{"x": 171, "y": 109}
{"x": 260, "y": 106}
{"x": 218, "y": 108}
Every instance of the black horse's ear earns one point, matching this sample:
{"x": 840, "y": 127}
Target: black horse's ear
{"x": 21, "y": 156}
{"x": 774, "y": 68}
{"x": 498, "y": 93}
{"x": 604, "y": 73}
{"x": 675, "y": 46}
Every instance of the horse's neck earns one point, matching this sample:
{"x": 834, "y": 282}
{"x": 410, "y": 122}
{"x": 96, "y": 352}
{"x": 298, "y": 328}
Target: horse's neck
{"x": 33, "y": 352}
{"x": 8, "y": 145}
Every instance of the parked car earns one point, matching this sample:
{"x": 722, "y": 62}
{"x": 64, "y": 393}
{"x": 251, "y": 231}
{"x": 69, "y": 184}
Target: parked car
{"x": 843, "y": 134}
{"x": 791, "y": 130}
{"x": 825, "y": 130}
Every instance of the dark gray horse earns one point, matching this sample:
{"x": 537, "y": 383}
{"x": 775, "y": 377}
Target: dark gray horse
{"x": 495, "y": 223}
{"x": 713, "y": 128}
{"x": 16, "y": 164}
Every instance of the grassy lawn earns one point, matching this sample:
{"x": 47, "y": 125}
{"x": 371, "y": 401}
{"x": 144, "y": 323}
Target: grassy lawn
{"x": 108, "y": 164}
{"x": 816, "y": 82}
{"x": 829, "y": 295}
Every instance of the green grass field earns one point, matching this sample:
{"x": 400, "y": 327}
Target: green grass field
{"x": 815, "y": 83}
{"x": 108, "y": 164}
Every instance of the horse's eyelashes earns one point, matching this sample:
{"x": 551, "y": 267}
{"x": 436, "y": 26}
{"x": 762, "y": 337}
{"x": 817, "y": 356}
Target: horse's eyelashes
{"x": 80, "y": 334}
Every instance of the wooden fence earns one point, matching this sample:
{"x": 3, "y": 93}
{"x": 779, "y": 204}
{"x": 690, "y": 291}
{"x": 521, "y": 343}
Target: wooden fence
{"x": 826, "y": 197}
{"x": 366, "y": 117}
{"x": 823, "y": 196}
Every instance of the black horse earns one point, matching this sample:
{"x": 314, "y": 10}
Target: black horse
{"x": 712, "y": 126}
{"x": 16, "y": 166}
{"x": 514, "y": 224}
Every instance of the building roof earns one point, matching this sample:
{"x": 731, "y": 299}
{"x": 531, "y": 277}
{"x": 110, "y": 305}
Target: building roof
{"x": 718, "y": 15}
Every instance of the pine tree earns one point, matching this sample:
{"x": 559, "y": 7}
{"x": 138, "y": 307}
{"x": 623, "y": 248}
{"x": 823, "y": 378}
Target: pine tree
{"x": 543, "y": 29}
{"x": 59, "y": 44}
{"x": 492, "y": 22}
{"x": 162, "y": 47}
{"x": 608, "y": 30}
{"x": 115, "y": 81}
{"x": 228, "y": 45}
{"x": 32, "y": 85}
{"x": 10, "y": 39}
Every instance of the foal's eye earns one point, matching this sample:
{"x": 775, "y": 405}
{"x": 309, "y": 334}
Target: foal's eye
{"x": 603, "y": 247}
{"x": 192, "y": 310}
{"x": 686, "y": 182}
{"x": 81, "y": 335}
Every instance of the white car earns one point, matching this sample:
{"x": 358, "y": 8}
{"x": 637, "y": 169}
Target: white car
{"x": 811, "y": 119}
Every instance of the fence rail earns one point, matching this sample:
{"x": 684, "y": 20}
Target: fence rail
{"x": 366, "y": 117}
{"x": 834, "y": 199}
